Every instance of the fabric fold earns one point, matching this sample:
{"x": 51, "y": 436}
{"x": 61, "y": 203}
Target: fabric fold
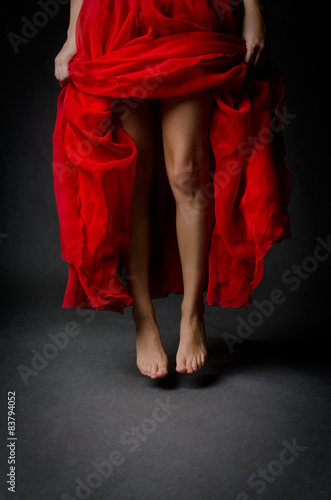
{"x": 158, "y": 51}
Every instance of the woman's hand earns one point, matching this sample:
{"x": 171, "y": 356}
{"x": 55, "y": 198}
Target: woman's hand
{"x": 62, "y": 60}
{"x": 254, "y": 34}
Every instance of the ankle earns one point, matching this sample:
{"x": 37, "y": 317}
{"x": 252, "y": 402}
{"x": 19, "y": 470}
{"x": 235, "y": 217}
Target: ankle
{"x": 142, "y": 313}
{"x": 193, "y": 310}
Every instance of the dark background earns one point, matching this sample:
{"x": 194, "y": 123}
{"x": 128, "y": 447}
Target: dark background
{"x": 232, "y": 417}
{"x": 31, "y": 265}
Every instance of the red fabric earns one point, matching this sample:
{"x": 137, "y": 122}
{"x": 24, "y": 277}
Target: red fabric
{"x": 131, "y": 49}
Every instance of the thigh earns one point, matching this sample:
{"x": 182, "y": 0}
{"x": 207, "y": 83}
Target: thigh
{"x": 137, "y": 121}
{"x": 185, "y": 130}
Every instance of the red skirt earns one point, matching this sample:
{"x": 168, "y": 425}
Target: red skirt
{"x": 130, "y": 50}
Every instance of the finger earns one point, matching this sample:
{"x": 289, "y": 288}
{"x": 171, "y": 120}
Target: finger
{"x": 58, "y": 72}
{"x": 63, "y": 73}
{"x": 257, "y": 59}
{"x": 260, "y": 60}
{"x": 250, "y": 56}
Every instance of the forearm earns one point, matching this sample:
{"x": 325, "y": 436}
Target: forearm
{"x": 254, "y": 32}
{"x": 252, "y": 6}
{"x": 75, "y": 6}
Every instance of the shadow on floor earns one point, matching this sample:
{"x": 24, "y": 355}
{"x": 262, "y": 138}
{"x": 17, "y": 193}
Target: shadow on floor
{"x": 250, "y": 356}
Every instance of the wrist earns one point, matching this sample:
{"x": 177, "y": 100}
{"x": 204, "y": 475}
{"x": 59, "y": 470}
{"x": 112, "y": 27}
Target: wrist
{"x": 71, "y": 36}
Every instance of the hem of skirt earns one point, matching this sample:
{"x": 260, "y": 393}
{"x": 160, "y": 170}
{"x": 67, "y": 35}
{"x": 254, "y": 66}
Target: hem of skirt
{"x": 283, "y": 235}
{"x": 229, "y": 305}
{"x": 117, "y": 305}
{"x": 120, "y": 303}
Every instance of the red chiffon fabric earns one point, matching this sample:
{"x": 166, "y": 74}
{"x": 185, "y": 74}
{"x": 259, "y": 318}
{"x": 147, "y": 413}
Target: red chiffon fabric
{"x": 135, "y": 49}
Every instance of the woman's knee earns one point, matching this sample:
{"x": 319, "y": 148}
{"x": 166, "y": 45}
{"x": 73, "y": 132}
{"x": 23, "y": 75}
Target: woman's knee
{"x": 188, "y": 166}
{"x": 187, "y": 175}
{"x": 185, "y": 125}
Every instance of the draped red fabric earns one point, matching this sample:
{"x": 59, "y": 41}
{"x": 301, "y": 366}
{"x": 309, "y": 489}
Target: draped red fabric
{"x": 135, "y": 49}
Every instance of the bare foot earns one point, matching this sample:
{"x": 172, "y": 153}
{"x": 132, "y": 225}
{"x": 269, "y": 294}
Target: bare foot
{"x": 152, "y": 360}
{"x": 192, "y": 349}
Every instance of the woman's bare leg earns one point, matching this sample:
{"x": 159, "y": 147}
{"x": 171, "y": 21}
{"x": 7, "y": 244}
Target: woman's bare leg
{"x": 185, "y": 128}
{"x": 151, "y": 358}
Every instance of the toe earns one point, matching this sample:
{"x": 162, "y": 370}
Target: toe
{"x": 181, "y": 368}
{"x": 148, "y": 369}
{"x": 189, "y": 368}
{"x": 194, "y": 364}
{"x": 180, "y": 363}
{"x": 161, "y": 372}
{"x": 153, "y": 370}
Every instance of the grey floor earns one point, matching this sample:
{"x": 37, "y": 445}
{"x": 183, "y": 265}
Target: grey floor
{"x": 254, "y": 423}
{"x": 89, "y": 426}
